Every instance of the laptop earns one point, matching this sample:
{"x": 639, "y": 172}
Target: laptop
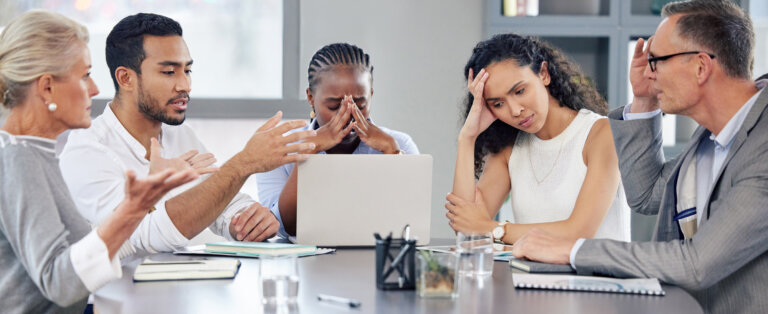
{"x": 342, "y": 200}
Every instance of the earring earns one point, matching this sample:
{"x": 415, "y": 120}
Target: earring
{"x": 312, "y": 114}
{"x": 52, "y": 107}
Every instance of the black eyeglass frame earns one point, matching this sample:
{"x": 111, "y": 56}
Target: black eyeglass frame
{"x": 652, "y": 60}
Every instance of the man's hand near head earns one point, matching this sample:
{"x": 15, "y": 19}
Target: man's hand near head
{"x": 644, "y": 95}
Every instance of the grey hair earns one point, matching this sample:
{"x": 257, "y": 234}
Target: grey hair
{"x": 36, "y": 43}
{"x": 720, "y": 26}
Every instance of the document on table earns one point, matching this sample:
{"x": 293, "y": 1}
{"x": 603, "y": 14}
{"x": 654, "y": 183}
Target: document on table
{"x": 501, "y": 252}
{"x": 648, "y": 286}
{"x": 200, "y": 250}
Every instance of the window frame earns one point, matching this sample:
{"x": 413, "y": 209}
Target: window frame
{"x": 291, "y": 104}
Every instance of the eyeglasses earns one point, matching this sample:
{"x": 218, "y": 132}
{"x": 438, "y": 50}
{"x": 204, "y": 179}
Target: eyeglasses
{"x": 652, "y": 60}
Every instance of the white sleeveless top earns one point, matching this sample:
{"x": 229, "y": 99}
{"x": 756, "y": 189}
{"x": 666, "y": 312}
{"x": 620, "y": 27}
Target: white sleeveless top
{"x": 546, "y": 177}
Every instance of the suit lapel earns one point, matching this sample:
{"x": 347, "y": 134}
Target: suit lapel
{"x": 741, "y": 136}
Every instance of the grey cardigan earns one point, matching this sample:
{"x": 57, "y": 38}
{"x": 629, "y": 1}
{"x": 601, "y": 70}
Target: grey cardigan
{"x": 38, "y": 222}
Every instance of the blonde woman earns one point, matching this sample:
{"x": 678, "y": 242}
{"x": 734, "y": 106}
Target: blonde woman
{"x": 50, "y": 257}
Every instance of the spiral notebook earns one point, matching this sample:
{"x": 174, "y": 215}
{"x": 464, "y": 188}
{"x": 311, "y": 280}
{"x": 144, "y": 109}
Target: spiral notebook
{"x": 647, "y": 286}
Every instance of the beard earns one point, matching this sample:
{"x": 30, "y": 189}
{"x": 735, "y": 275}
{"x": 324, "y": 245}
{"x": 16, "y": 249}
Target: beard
{"x": 151, "y": 108}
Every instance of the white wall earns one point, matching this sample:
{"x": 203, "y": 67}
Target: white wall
{"x": 418, "y": 50}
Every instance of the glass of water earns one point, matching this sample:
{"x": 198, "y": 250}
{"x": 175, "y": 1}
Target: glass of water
{"x": 279, "y": 278}
{"x": 475, "y": 251}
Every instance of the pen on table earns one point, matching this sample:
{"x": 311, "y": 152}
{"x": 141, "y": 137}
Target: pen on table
{"x": 330, "y": 298}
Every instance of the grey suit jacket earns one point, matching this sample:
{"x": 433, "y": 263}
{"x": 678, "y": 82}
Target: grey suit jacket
{"x": 725, "y": 264}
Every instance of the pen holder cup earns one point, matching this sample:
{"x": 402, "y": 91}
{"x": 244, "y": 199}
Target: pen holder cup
{"x": 395, "y": 264}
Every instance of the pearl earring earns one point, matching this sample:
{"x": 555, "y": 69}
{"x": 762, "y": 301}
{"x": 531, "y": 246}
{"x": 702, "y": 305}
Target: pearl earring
{"x": 52, "y": 107}
{"x": 312, "y": 114}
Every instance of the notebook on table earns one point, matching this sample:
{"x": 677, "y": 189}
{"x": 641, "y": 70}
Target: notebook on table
{"x": 150, "y": 270}
{"x": 259, "y": 248}
{"x": 200, "y": 250}
{"x": 342, "y": 200}
{"x": 538, "y": 267}
{"x": 647, "y": 286}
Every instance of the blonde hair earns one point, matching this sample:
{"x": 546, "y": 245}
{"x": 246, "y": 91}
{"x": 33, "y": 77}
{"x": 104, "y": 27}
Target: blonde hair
{"x": 33, "y": 44}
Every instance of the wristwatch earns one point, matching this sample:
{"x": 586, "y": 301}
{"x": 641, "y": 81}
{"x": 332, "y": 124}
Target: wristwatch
{"x": 499, "y": 231}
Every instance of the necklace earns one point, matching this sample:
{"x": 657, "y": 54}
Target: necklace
{"x": 570, "y": 119}
{"x": 530, "y": 161}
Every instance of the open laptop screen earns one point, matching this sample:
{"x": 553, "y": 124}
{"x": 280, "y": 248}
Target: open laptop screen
{"x": 343, "y": 199}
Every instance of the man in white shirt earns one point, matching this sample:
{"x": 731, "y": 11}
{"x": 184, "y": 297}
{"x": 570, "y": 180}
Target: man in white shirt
{"x": 711, "y": 201}
{"x": 150, "y": 67}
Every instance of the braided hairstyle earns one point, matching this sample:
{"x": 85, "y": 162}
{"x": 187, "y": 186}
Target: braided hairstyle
{"x": 337, "y": 54}
{"x": 568, "y": 85}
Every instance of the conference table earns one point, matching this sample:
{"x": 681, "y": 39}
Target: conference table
{"x": 350, "y": 273}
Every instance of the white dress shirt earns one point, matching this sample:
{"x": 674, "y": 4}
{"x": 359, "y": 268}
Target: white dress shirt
{"x": 94, "y": 161}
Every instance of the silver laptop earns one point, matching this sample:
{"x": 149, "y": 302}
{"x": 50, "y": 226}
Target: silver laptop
{"x": 343, "y": 199}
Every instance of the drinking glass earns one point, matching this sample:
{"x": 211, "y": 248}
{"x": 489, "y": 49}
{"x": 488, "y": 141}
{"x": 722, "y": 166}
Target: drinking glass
{"x": 279, "y": 278}
{"x": 475, "y": 251}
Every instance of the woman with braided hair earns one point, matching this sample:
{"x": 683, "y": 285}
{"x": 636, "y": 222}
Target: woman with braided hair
{"x": 339, "y": 94}
{"x": 534, "y": 131}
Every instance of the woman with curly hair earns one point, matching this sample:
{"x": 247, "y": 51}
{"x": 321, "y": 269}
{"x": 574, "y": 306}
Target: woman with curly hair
{"x": 534, "y": 130}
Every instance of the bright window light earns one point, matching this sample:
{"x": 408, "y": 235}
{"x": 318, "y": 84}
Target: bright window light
{"x": 237, "y": 45}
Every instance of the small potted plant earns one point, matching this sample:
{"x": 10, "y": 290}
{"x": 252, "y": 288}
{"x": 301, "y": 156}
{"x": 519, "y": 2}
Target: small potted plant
{"x": 436, "y": 274}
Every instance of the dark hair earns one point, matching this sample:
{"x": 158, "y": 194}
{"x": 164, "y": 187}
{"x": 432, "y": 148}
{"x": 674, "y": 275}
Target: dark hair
{"x": 125, "y": 43}
{"x": 762, "y": 77}
{"x": 337, "y": 54}
{"x": 568, "y": 85}
{"x": 720, "y": 26}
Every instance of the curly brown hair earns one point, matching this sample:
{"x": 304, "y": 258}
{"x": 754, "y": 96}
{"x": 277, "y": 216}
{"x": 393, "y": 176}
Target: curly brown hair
{"x": 568, "y": 85}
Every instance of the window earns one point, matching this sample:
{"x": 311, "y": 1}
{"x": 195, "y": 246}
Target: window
{"x": 239, "y": 47}
{"x": 759, "y": 13}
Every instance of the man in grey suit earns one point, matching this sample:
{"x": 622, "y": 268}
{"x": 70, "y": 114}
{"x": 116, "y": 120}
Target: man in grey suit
{"x": 712, "y": 201}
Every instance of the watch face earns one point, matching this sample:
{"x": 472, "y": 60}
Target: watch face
{"x": 498, "y": 232}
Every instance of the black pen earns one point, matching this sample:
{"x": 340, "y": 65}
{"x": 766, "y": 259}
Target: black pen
{"x": 340, "y": 300}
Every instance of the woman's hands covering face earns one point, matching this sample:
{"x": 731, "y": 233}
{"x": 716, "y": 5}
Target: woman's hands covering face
{"x": 331, "y": 133}
{"x": 349, "y": 117}
{"x": 369, "y": 133}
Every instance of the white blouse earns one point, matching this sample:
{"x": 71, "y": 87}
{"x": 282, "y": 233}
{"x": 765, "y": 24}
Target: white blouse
{"x": 546, "y": 177}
